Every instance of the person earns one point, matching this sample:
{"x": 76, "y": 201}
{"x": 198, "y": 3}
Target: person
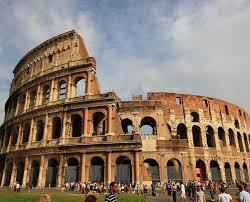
{"x": 90, "y": 198}
{"x": 17, "y": 187}
{"x": 199, "y": 196}
{"x": 183, "y": 192}
{"x": 174, "y": 191}
{"x": 114, "y": 188}
{"x": 223, "y": 196}
{"x": 244, "y": 196}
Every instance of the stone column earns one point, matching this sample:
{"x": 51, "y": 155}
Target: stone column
{"x": 227, "y": 140}
{"x": 18, "y": 136}
{"x": 38, "y": 96}
{"x": 25, "y": 172}
{"x": 217, "y": 140}
{"x": 137, "y": 167}
{"x": 110, "y": 119}
{"x": 69, "y": 87}
{"x": 88, "y": 83}
{"x": 109, "y": 167}
{"x": 233, "y": 172}
{"x": 26, "y": 101}
{"x": 52, "y": 91}
{"x": 83, "y": 167}
{"x": 41, "y": 178}
{"x": 64, "y": 128}
{"x": 13, "y": 173}
{"x": 60, "y": 171}
{"x": 31, "y": 132}
{"x": 4, "y": 173}
{"x": 222, "y": 171}
{"x": 236, "y": 141}
{"x": 208, "y": 170}
{"x": 243, "y": 142}
{"x": 46, "y": 131}
{"x": 85, "y": 124}
{"x": 204, "y": 137}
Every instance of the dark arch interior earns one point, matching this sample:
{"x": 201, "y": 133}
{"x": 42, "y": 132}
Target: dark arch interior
{"x": 127, "y": 126}
{"x": 76, "y": 125}
{"x": 39, "y": 130}
{"x": 197, "y": 136}
{"x": 182, "y": 131}
{"x": 99, "y": 123}
{"x": 148, "y": 126}
{"x": 194, "y": 117}
{"x": 56, "y": 130}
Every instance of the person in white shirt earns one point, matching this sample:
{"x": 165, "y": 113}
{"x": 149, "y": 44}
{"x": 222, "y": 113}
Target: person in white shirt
{"x": 223, "y": 196}
{"x": 183, "y": 192}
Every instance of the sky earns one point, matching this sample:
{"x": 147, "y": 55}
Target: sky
{"x": 195, "y": 47}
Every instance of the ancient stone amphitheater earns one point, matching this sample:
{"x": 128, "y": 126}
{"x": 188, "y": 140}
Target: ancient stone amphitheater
{"x": 60, "y": 127}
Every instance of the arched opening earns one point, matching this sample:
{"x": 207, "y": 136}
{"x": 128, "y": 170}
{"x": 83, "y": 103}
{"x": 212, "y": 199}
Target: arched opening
{"x": 20, "y": 171}
{"x": 7, "y": 137}
{"x": 148, "y": 126}
{"x": 245, "y": 171}
{"x": 8, "y": 173}
{"x": 26, "y": 133}
{"x": 210, "y": 136}
{"x": 32, "y": 101}
{"x": 46, "y": 94}
{"x": 231, "y": 137}
{"x": 228, "y": 172}
{"x": 236, "y": 124}
{"x": 169, "y": 129}
{"x": 127, "y": 126}
{"x": 215, "y": 171}
{"x": 123, "y": 170}
{"x": 197, "y": 136}
{"x": 99, "y": 123}
{"x": 79, "y": 87}
{"x": 222, "y": 137}
{"x": 76, "y": 121}
{"x": 2, "y": 164}
{"x": 200, "y": 170}
{"x": 39, "y": 130}
{"x": 34, "y": 173}
{"x": 97, "y": 170}
{"x": 62, "y": 90}
{"x": 14, "y": 136}
{"x": 182, "y": 131}
{"x": 237, "y": 171}
{"x": 240, "y": 142}
{"x": 194, "y": 117}
{"x": 56, "y": 128}
{"x": 73, "y": 170}
{"x": 153, "y": 169}
{"x": 174, "y": 170}
{"x": 21, "y": 103}
{"x": 51, "y": 174}
{"x": 246, "y": 142}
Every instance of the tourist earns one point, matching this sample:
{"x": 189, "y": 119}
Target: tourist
{"x": 199, "y": 196}
{"x": 211, "y": 189}
{"x": 183, "y": 191}
{"x": 174, "y": 191}
{"x": 223, "y": 196}
{"x": 90, "y": 198}
{"x": 244, "y": 196}
{"x": 114, "y": 188}
{"x": 169, "y": 190}
{"x": 17, "y": 187}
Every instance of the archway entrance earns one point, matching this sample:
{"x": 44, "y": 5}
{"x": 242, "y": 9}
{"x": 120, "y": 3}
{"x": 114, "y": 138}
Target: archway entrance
{"x": 51, "y": 173}
{"x": 73, "y": 170}
{"x": 8, "y": 174}
{"x": 20, "y": 170}
{"x": 228, "y": 172}
{"x": 245, "y": 171}
{"x": 34, "y": 173}
{"x": 153, "y": 169}
{"x": 97, "y": 170}
{"x": 123, "y": 170}
{"x": 174, "y": 170}
{"x": 237, "y": 171}
{"x": 215, "y": 171}
{"x": 200, "y": 170}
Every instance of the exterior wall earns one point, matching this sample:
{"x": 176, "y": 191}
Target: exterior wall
{"x": 101, "y": 131}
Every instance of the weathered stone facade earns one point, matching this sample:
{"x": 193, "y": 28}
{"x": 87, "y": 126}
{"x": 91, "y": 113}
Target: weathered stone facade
{"x": 60, "y": 127}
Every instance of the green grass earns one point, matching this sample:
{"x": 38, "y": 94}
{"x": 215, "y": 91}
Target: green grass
{"x": 62, "y": 197}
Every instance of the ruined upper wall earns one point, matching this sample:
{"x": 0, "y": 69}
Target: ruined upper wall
{"x": 54, "y": 54}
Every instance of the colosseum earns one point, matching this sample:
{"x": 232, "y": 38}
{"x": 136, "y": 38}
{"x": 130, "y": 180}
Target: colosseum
{"x": 60, "y": 127}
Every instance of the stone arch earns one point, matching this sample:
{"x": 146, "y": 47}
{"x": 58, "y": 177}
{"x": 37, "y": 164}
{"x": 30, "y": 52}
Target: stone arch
{"x": 62, "y": 90}
{"x": 34, "y": 173}
{"x": 73, "y": 170}
{"x": 21, "y": 103}
{"x": 80, "y": 86}
{"x": 200, "y": 170}
{"x": 210, "y": 136}
{"x": 123, "y": 170}
{"x": 148, "y": 126}
{"x": 20, "y": 171}
{"x": 231, "y": 137}
{"x": 245, "y": 171}
{"x": 237, "y": 171}
{"x": 8, "y": 173}
{"x": 222, "y": 137}
{"x": 215, "y": 171}
{"x": 97, "y": 169}
{"x": 32, "y": 99}
{"x": 39, "y": 130}
{"x": 51, "y": 175}
{"x": 194, "y": 117}
{"x": 76, "y": 121}
{"x": 152, "y": 167}
{"x": 197, "y": 140}
{"x": 240, "y": 142}
{"x": 99, "y": 123}
{"x": 46, "y": 93}
{"x": 26, "y": 133}
{"x": 246, "y": 142}
{"x": 56, "y": 127}
{"x": 127, "y": 126}
{"x": 182, "y": 131}
{"x": 174, "y": 170}
{"x": 14, "y": 136}
{"x": 228, "y": 172}
{"x": 236, "y": 124}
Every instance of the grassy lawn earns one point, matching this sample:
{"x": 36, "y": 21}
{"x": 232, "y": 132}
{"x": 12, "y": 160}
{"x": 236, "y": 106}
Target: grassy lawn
{"x": 61, "y": 197}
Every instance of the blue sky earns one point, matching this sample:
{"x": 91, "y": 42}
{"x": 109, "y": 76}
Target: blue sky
{"x": 197, "y": 47}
